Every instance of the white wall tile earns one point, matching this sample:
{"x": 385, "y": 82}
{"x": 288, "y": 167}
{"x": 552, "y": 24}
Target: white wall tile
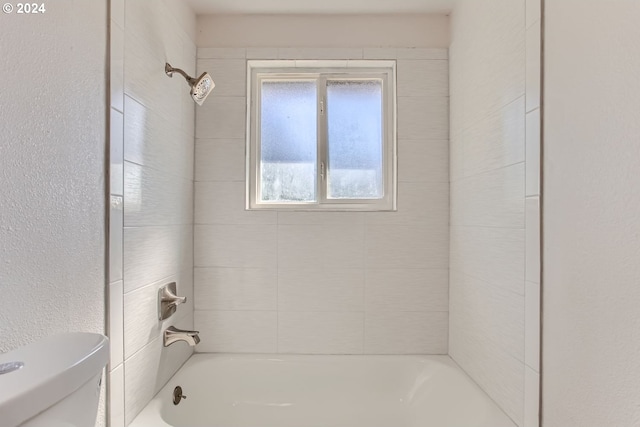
{"x": 532, "y": 326}
{"x": 531, "y": 398}
{"x": 534, "y": 12}
{"x": 262, "y": 53}
{"x": 154, "y": 142}
{"x": 147, "y": 371}
{"x": 116, "y": 62}
{"x": 319, "y": 53}
{"x": 494, "y": 255}
{"x": 423, "y": 118}
{"x": 456, "y": 156}
{"x": 315, "y": 289}
{"x": 423, "y": 78}
{"x": 488, "y": 85}
{"x": 236, "y": 289}
{"x": 158, "y": 138}
{"x": 491, "y": 199}
{"x": 343, "y": 246}
{"x": 329, "y": 246}
{"x": 153, "y": 197}
{"x": 188, "y": 117}
{"x": 327, "y": 63}
{"x": 154, "y": 253}
{"x": 300, "y": 246}
{"x": 142, "y": 22}
{"x": 221, "y": 53}
{"x": 484, "y": 310}
{"x": 321, "y": 256}
{"x": 236, "y": 331}
{"x": 220, "y": 160}
{"x": 115, "y": 416}
{"x": 418, "y": 203}
{"x": 496, "y": 141}
{"x": 116, "y": 155}
{"x": 423, "y": 161}
{"x": 235, "y": 246}
{"x": 141, "y": 323}
{"x": 422, "y": 53}
{"x": 146, "y": 81}
{"x": 320, "y": 333}
{"x": 380, "y": 53}
{"x": 116, "y": 218}
{"x": 320, "y": 218}
{"x": 401, "y": 246}
{"x": 185, "y": 22}
{"x": 149, "y": 27}
{"x": 115, "y": 327}
{"x": 532, "y": 264}
{"x": 221, "y": 117}
{"x": 229, "y": 75}
{"x": 498, "y": 373}
{"x": 532, "y": 179}
{"x": 407, "y": 290}
{"x": 224, "y": 203}
{"x": 533, "y": 67}
{"x": 487, "y": 158}
{"x": 117, "y": 11}
{"x": 406, "y": 333}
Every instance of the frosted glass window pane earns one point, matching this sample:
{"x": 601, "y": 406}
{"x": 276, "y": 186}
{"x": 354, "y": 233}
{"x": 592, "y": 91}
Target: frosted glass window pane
{"x": 355, "y": 146}
{"x": 288, "y": 150}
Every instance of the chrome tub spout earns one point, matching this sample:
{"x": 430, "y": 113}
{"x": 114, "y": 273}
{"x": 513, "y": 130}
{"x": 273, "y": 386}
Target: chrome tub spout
{"x": 173, "y": 334}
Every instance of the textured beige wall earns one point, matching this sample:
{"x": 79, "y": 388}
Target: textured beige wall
{"x": 591, "y": 300}
{"x": 52, "y": 171}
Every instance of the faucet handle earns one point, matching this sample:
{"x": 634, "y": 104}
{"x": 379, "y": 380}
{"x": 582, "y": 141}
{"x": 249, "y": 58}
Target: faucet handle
{"x": 168, "y": 301}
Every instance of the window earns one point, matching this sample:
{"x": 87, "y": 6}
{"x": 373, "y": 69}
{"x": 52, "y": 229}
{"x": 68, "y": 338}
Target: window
{"x": 321, "y": 138}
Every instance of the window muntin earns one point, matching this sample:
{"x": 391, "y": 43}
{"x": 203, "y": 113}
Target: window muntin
{"x": 321, "y": 138}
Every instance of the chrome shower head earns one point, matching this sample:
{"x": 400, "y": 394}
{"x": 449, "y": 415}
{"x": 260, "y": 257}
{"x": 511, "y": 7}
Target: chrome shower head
{"x": 200, "y": 87}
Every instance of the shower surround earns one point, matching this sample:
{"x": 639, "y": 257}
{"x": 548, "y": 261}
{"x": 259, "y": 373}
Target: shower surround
{"x": 495, "y": 199}
{"x": 301, "y": 282}
{"x": 323, "y": 282}
{"x": 151, "y": 220}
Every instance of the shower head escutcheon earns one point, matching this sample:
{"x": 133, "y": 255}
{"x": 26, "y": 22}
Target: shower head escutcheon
{"x": 200, "y": 87}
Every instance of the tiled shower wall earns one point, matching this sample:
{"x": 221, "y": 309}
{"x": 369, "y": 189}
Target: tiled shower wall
{"x": 495, "y": 193}
{"x": 151, "y": 221}
{"x": 325, "y": 282}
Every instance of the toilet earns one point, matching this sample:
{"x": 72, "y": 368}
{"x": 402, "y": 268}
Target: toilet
{"x": 54, "y": 382}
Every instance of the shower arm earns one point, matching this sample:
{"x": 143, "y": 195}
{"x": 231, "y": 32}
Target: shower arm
{"x": 170, "y": 70}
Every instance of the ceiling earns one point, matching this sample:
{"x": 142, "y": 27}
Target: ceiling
{"x": 202, "y": 7}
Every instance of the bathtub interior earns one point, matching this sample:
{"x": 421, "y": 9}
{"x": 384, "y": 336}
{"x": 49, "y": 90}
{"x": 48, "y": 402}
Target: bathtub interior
{"x": 322, "y": 391}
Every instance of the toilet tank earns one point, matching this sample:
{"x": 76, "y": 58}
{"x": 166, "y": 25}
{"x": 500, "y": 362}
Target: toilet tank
{"x": 54, "y": 382}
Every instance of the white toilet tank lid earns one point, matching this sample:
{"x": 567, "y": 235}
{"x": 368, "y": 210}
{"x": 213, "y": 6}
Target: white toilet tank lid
{"x": 52, "y": 369}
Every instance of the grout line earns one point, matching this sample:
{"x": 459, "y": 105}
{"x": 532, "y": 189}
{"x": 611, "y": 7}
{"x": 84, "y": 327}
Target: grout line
{"x": 490, "y": 227}
{"x": 542, "y": 23}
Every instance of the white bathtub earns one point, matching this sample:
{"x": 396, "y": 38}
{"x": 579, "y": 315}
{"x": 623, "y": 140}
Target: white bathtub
{"x": 322, "y": 391}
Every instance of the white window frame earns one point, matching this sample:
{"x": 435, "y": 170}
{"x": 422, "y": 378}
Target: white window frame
{"x": 259, "y": 70}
